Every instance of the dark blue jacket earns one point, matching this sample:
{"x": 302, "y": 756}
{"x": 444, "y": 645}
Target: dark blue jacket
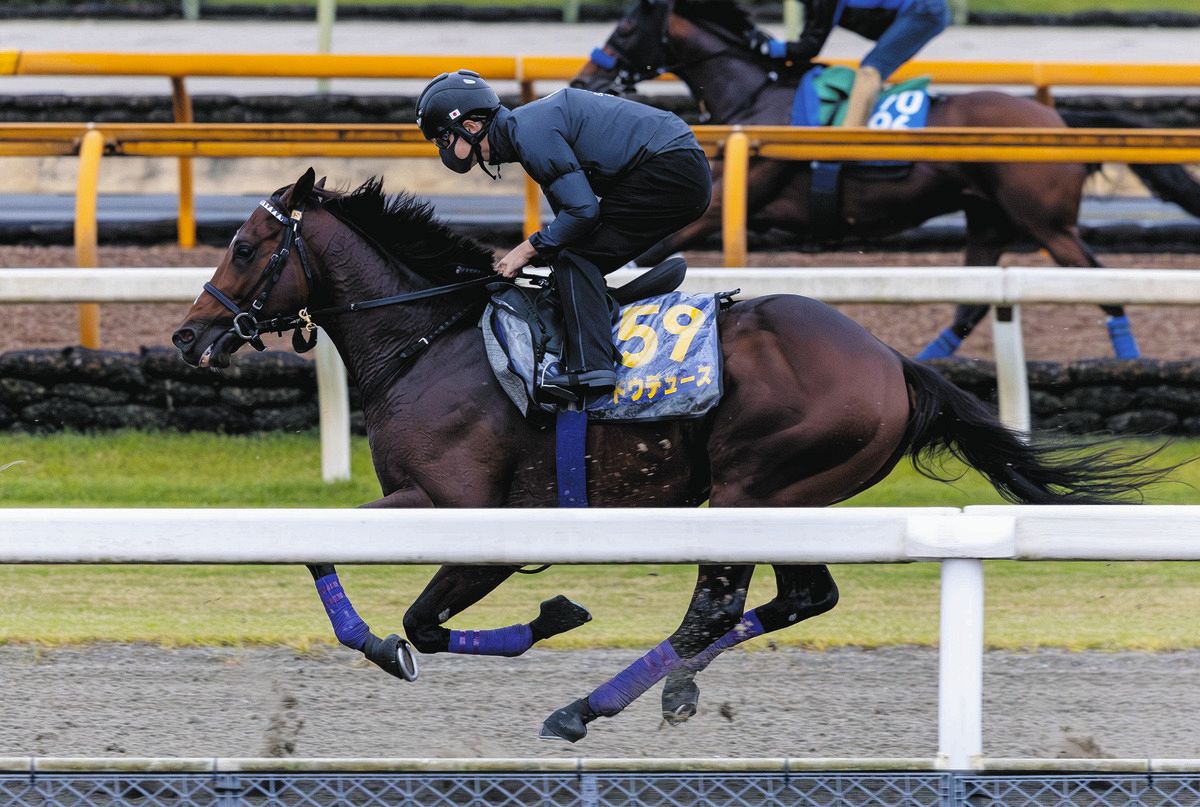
{"x": 577, "y": 145}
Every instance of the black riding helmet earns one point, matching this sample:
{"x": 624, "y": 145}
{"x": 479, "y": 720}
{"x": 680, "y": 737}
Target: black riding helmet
{"x": 443, "y": 106}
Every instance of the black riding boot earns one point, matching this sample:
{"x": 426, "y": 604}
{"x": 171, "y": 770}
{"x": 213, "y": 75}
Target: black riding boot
{"x": 589, "y": 349}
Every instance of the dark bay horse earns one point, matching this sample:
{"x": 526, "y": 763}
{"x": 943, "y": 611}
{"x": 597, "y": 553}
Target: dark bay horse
{"x": 704, "y": 43}
{"x": 815, "y": 409}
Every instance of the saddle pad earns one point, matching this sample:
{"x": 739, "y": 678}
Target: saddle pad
{"x": 821, "y": 101}
{"x": 669, "y": 362}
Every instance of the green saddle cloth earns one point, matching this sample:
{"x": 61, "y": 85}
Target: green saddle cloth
{"x": 833, "y": 87}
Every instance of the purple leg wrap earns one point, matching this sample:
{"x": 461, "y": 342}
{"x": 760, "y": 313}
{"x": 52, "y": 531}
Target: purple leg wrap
{"x": 347, "y": 624}
{"x": 747, "y": 628}
{"x": 511, "y": 641}
{"x": 624, "y": 688}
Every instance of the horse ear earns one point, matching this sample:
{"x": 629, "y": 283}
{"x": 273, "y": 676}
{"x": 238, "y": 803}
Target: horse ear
{"x": 301, "y": 189}
{"x": 321, "y": 183}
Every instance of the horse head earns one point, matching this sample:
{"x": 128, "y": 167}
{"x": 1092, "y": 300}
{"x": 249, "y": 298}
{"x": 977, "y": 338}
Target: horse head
{"x": 264, "y": 276}
{"x": 697, "y": 41}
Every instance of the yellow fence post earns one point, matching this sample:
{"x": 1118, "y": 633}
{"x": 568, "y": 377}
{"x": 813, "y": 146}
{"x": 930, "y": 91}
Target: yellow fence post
{"x": 181, "y": 105}
{"x": 733, "y": 212}
{"x": 91, "y": 149}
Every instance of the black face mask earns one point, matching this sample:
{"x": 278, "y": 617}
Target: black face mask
{"x": 454, "y": 162}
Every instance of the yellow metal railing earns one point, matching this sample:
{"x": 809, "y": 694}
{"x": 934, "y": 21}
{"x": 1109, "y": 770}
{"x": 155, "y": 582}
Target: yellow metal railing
{"x": 524, "y": 69}
{"x": 735, "y": 144}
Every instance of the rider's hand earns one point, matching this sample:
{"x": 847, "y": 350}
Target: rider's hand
{"x": 516, "y": 260}
{"x": 767, "y": 45}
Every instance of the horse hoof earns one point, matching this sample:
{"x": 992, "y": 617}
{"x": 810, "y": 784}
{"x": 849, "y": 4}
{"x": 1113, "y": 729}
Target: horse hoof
{"x": 568, "y": 723}
{"x": 680, "y": 697}
{"x": 559, "y": 615}
{"x": 394, "y": 656}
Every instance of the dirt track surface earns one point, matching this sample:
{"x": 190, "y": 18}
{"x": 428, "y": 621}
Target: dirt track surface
{"x": 114, "y": 700}
{"x": 1052, "y": 332}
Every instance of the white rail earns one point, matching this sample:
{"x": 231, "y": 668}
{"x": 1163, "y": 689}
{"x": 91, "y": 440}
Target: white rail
{"x": 1001, "y": 287}
{"x": 959, "y": 539}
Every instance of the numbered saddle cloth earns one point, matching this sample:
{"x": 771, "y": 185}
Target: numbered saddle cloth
{"x": 821, "y": 101}
{"x": 668, "y": 359}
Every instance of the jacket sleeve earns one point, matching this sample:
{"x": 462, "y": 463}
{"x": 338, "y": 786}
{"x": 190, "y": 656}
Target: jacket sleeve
{"x": 818, "y": 24}
{"x": 556, "y": 168}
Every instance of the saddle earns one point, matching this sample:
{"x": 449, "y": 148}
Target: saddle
{"x": 538, "y": 306}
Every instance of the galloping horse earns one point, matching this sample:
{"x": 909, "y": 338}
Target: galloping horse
{"x": 704, "y": 43}
{"x": 815, "y": 409}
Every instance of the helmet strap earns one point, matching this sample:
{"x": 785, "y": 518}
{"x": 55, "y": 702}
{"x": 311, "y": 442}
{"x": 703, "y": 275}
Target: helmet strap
{"x": 474, "y": 140}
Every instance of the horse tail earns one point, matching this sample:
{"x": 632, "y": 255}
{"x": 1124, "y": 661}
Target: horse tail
{"x": 1171, "y": 183}
{"x": 946, "y": 420}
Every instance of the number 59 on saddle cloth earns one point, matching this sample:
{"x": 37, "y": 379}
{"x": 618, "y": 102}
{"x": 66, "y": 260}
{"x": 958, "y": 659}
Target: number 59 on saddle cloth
{"x": 668, "y": 359}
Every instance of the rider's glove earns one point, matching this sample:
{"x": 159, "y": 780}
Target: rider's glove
{"x": 770, "y": 47}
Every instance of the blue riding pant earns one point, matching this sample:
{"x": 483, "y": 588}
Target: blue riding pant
{"x": 917, "y": 22}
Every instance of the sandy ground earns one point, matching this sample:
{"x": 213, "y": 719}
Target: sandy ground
{"x": 1052, "y": 332}
{"x": 113, "y": 700}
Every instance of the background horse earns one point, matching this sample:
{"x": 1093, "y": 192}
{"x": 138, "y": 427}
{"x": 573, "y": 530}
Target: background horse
{"x": 815, "y": 409}
{"x": 705, "y": 45}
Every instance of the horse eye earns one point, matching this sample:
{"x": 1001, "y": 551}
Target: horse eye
{"x": 243, "y": 251}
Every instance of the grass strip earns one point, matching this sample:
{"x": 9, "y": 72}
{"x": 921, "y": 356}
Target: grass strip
{"x": 1112, "y": 606}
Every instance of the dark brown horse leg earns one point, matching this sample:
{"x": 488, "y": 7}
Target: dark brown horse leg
{"x": 988, "y": 233}
{"x": 716, "y": 607}
{"x": 802, "y": 592}
{"x": 391, "y": 653}
{"x": 764, "y": 182}
{"x": 1068, "y": 249}
{"x": 456, "y": 588}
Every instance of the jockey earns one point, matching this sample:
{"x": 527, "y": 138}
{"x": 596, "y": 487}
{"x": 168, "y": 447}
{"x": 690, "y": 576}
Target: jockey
{"x": 899, "y": 27}
{"x": 620, "y": 177}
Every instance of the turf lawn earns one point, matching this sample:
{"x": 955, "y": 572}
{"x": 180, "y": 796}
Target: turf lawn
{"x": 1073, "y": 605}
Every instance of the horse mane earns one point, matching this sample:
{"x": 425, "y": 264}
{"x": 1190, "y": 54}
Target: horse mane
{"x": 727, "y": 14}
{"x": 405, "y": 228}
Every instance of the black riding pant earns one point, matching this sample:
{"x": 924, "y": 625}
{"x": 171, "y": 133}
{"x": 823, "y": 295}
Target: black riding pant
{"x": 659, "y": 197}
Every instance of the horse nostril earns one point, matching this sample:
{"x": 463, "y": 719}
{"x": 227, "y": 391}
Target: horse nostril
{"x": 183, "y": 337}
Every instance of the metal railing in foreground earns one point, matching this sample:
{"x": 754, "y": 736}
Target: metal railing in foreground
{"x": 598, "y": 782}
{"x": 960, "y": 540}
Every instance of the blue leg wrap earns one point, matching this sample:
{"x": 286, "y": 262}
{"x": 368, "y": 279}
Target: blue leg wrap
{"x": 620, "y": 691}
{"x": 945, "y": 345}
{"x": 1121, "y": 334}
{"x": 348, "y": 626}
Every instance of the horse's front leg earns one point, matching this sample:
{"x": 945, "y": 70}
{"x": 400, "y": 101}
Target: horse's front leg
{"x": 390, "y": 653}
{"x": 456, "y": 588}
{"x": 716, "y": 606}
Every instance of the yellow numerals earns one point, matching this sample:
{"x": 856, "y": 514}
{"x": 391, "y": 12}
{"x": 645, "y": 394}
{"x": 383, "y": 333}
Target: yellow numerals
{"x": 630, "y": 328}
{"x": 686, "y": 332}
{"x": 674, "y": 323}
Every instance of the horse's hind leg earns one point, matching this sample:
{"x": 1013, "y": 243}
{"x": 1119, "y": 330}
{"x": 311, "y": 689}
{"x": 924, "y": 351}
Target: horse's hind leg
{"x": 1067, "y": 248}
{"x": 455, "y": 588}
{"x": 989, "y": 232}
{"x": 716, "y": 607}
{"x": 802, "y": 592}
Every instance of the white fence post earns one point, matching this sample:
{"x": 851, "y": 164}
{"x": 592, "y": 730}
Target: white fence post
{"x": 960, "y": 664}
{"x": 1012, "y": 378}
{"x": 334, "y": 402}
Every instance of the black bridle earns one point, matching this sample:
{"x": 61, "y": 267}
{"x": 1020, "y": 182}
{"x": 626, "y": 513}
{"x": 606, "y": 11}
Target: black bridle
{"x": 247, "y": 326}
